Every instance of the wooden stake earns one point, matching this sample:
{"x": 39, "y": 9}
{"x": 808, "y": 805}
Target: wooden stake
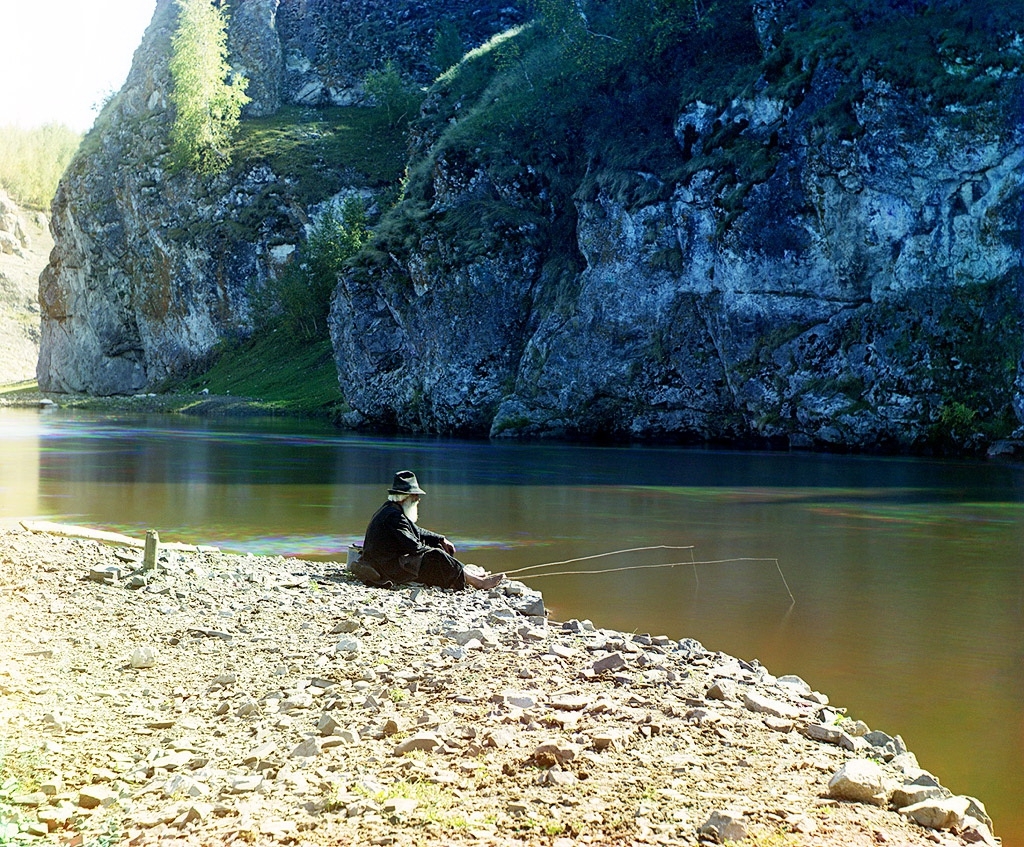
{"x": 149, "y": 556}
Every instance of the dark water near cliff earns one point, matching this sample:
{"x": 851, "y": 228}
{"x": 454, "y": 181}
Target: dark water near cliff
{"x": 908, "y": 575}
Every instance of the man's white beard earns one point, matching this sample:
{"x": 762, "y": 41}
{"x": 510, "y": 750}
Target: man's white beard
{"x": 411, "y": 509}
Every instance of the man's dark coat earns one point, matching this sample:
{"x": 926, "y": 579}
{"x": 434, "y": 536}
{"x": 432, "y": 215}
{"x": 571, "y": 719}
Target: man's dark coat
{"x": 395, "y": 547}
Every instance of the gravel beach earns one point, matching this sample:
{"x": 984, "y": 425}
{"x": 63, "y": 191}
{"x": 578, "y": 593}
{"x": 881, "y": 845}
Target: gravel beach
{"x": 219, "y": 699}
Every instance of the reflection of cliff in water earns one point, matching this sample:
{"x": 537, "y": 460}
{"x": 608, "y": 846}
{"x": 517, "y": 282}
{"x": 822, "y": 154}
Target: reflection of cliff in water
{"x": 22, "y": 450}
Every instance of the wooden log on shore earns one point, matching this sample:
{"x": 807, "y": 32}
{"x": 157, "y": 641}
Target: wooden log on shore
{"x": 114, "y": 538}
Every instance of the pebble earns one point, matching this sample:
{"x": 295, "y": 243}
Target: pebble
{"x": 244, "y": 784}
{"x": 767, "y": 706}
{"x": 425, "y": 741}
{"x": 91, "y": 796}
{"x": 725, "y": 825}
{"x": 612, "y": 662}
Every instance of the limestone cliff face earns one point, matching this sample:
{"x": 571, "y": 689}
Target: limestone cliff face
{"x": 153, "y": 269}
{"x": 866, "y": 287}
{"x": 866, "y": 292}
{"x": 859, "y": 288}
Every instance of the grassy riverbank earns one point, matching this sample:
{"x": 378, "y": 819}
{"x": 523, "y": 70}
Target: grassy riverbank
{"x": 246, "y": 380}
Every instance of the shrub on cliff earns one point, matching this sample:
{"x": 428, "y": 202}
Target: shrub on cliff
{"x": 208, "y": 99}
{"x": 301, "y": 298}
{"x": 400, "y": 100}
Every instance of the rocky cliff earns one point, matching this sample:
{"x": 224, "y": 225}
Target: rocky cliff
{"x": 798, "y": 278}
{"x": 827, "y": 253}
{"x": 153, "y": 269}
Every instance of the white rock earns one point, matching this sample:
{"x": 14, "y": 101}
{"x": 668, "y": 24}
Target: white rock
{"x": 144, "y": 657}
{"x": 829, "y": 733}
{"x": 517, "y": 699}
{"x": 307, "y": 749}
{"x": 794, "y": 684}
{"x": 92, "y": 796}
{"x": 420, "y": 741}
{"x": 455, "y": 652}
{"x": 245, "y": 784}
{"x": 570, "y": 702}
{"x": 464, "y": 637}
{"x": 348, "y": 646}
{"x": 612, "y": 662}
{"x": 721, "y": 691}
{"x": 947, "y": 813}
{"x": 328, "y": 724}
{"x": 185, "y": 786}
{"x": 725, "y": 825}
{"x": 861, "y": 781}
{"x": 278, "y": 829}
{"x": 766, "y": 706}
{"x": 909, "y": 795}
{"x": 261, "y": 753}
{"x": 400, "y": 805}
{"x": 555, "y": 751}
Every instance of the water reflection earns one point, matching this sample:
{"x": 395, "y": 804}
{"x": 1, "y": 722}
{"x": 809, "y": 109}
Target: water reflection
{"x": 907, "y": 574}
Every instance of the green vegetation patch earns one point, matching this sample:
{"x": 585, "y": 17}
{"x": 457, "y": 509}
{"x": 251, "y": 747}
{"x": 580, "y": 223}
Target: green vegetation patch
{"x": 275, "y": 375}
{"x": 14, "y": 390}
{"x": 324, "y": 150}
{"x": 33, "y": 160}
{"x": 299, "y": 300}
{"x": 940, "y": 54}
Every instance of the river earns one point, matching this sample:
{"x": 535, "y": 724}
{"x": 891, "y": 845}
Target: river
{"x": 893, "y": 585}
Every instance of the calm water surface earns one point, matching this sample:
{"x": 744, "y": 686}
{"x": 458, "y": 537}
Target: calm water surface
{"x": 908, "y": 575}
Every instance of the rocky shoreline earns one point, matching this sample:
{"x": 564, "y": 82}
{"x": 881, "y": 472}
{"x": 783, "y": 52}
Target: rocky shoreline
{"x": 217, "y": 699}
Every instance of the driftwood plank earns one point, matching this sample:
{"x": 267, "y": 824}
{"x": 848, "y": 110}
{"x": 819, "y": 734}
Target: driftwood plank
{"x": 105, "y": 537}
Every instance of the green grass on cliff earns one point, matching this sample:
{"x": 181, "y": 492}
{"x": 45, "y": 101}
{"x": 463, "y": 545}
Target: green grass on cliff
{"x": 326, "y": 149}
{"x": 274, "y": 375}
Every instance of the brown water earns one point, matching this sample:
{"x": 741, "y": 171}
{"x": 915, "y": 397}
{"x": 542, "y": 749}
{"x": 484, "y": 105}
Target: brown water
{"x": 907, "y": 575}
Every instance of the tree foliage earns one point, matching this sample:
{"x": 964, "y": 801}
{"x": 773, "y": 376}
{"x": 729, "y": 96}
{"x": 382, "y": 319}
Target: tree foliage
{"x": 32, "y": 161}
{"x": 207, "y": 96}
{"x": 400, "y": 100}
{"x": 448, "y": 46}
{"x": 301, "y": 298}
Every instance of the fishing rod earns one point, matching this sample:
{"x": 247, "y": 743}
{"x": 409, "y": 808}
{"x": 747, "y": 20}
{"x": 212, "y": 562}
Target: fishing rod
{"x": 597, "y": 556}
{"x": 621, "y": 568}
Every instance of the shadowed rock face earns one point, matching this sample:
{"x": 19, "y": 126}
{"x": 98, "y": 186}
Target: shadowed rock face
{"x": 867, "y": 293}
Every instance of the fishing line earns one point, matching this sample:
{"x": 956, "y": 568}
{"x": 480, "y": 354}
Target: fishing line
{"x": 598, "y": 556}
{"x": 621, "y": 568}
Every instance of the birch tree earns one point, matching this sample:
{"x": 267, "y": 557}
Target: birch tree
{"x": 207, "y": 96}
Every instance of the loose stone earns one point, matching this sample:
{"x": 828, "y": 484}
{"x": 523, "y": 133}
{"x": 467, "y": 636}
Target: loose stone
{"x": 861, "y": 781}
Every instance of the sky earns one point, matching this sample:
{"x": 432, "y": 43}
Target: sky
{"x": 63, "y": 57}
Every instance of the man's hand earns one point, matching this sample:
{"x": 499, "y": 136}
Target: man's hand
{"x": 448, "y": 547}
